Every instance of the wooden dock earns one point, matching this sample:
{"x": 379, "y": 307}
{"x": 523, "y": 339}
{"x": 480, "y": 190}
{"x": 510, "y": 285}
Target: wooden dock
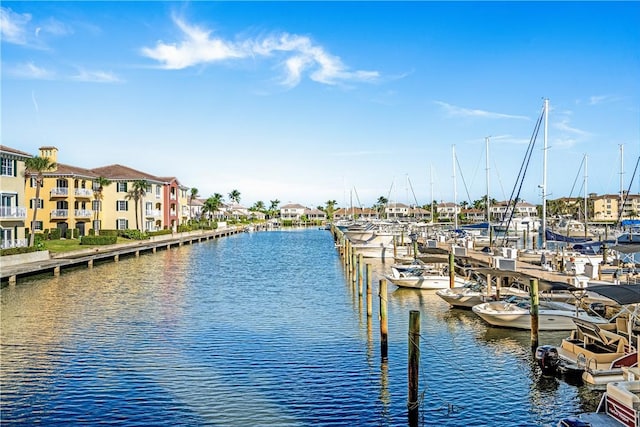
{"x": 111, "y": 253}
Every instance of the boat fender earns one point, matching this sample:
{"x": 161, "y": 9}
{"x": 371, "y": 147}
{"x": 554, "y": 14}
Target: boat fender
{"x": 573, "y": 422}
{"x": 547, "y": 358}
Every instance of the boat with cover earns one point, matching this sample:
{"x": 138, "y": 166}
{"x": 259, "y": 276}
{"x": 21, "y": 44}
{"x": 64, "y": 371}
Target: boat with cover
{"x": 432, "y": 275}
{"x": 595, "y": 352}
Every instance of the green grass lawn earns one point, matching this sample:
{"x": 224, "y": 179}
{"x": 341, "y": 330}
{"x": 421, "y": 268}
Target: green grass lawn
{"x": 67, "y": 245}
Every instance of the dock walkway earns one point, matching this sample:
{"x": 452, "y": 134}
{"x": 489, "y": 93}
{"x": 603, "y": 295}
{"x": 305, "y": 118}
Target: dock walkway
{"x": 87, "y": 257}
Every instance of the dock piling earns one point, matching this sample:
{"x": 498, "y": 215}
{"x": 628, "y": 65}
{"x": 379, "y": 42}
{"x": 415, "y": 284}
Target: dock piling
{"x": 414, "y": 366}
{"x": 384, "y": 329}
{"x": 535, "y": 302}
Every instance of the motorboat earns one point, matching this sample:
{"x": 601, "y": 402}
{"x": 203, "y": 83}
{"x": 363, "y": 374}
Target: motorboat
{"x": 515, "y": 312}
{"x": 465, "y": 296}
{"x": 430, "y": 276}
{"x": 619, "y": 405}
{"x": 595, "y": 352}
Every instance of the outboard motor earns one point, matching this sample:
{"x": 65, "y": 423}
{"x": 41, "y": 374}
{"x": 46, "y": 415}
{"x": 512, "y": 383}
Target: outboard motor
{"x": 547, "y": 358}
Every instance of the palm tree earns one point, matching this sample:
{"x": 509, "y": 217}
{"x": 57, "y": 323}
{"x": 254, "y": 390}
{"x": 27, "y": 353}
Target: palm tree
{"x": 234, "y": 196}
{"x": 381, "y": 205}
{"x": 35, "y": 167}
{"x": 258, "y": 206}
{"x": 137, "y": 193}
{"x": 274, "y": 207}
{"x": 193, "y": 195}
{"x": 212, "y": 204}
{"x": 331, "y": 206}
{"x": 99, "y": 184}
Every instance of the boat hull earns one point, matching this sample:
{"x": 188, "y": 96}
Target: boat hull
{"x": 425, "y": 282}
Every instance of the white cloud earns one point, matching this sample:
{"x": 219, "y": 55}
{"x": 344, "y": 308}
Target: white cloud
{"x": 16, "y": 28}
{"x": 13, "y": 26}
{"x": 96, "y": 77}
{"x": 455, "y": 111}
{"x": 297, "y": 55}
{"x": 563, "y": 126}
{"x": 29, "y": 70}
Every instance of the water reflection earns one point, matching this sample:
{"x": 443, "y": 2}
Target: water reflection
{"x": 255, "y": 329}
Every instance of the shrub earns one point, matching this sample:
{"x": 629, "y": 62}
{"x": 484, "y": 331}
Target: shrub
{"x": 20, "y": 250}
{"x": 159, "y": 232}
{"x": 133, "y": 234}
{"x": 98, "y": 240}
{"x": 54, "y": 234}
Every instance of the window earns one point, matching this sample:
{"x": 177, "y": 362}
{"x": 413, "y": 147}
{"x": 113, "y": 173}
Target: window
{"x": 121, "y": 187}
{"x": 96, "y": 205}
{"x": 122, "y": 205}
{"x": 37, "y": 226}
{"x": 7, "y": 167}
{"x": 33, "y": 182}
{"x": 157, "y": 191}
{"x": 96, "y": 224}
{"x": 62, "y": 183}
{"x": 122, "y": 223}
{"x": 32, "y": 203}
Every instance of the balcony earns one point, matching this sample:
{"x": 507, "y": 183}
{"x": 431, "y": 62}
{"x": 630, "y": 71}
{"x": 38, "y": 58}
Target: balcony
{"x": 13, "y": 212}
{"x": 153, "y": 213}
{"x": 60, "y": 192}
{"x": 83, "y": 213}
{"x": 60, "y": 214}
{"x": 84, "y": 193}
{"x": 13, "y": 243}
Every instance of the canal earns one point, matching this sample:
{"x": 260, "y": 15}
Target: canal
{"x": 256, "y": 329}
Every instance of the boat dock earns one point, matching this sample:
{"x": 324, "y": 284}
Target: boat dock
{"x": 55, "y": 263}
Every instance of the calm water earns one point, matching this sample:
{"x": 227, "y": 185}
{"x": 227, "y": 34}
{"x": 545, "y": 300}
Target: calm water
{"x": 257, "y": 329}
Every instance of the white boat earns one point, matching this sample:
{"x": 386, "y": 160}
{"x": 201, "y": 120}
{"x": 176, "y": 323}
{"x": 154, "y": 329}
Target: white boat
{"x": 598, "y": 353}
{"x": 466, "y": 296}
{"x": 619, "y": 405}
{"x": 434, "y": 276}
{"x": 516, "y": 313}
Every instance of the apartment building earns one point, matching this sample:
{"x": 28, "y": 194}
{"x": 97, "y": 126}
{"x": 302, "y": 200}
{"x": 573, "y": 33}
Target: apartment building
{"x": 13, "y": 209}
{"x": 66, "y": 197}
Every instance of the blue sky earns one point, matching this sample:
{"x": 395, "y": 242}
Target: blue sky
{"x": 306, "y": 102}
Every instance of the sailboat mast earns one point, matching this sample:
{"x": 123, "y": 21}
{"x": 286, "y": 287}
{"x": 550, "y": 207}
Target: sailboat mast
{"x": 431, "y": 183}
{"x": 621, "y": 180}
{"x": 544, "y": 175}
{"x": 486, "y": 140}
{"x": 455, "y": 195}
{"x": 586, "y": 216}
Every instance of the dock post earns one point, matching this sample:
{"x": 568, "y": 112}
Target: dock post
{"x": 116, "y": 258}
{"x": 56, "y": 271}
{"x": 369, "y": 292}
{"x": 354, "y": 266}
{"x": 414, "y": 366}
{"x": 535, "y": 302}
{"x": 384, "y": 329}
{"x": 137, "y": 254}
{"x": 489, "y": 285}
{"x": 13, "y": 279}
{"x": 395, "y": 247}
{"x": 452, "y": 270}
{"x": 90, "y": 263}
{"x": 360, "y": 270}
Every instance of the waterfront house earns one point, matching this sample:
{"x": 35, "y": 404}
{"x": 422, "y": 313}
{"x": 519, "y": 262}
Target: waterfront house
{"x": 292, "y": 212}
{"x": 611, "y": 207}
{"x": 315, "y": 215}
{"x": 66, "y": 197}
{"x": 419, "y": 213}
{"x": 355, "y": 213}
{"x": 447, "y": 211}
{"x": 13, "y": 208}
{"x": 397, "y": 210}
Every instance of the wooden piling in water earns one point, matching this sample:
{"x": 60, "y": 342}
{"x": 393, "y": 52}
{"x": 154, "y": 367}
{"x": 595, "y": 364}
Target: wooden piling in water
{"x": 384, "y": 329}
{"x": 535, "y": 303}
{"x": 360, "y": 271}
{"x": 369, "y": 292}
{"x": 414, "y": 366}
{"x": 452, "y": 270}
